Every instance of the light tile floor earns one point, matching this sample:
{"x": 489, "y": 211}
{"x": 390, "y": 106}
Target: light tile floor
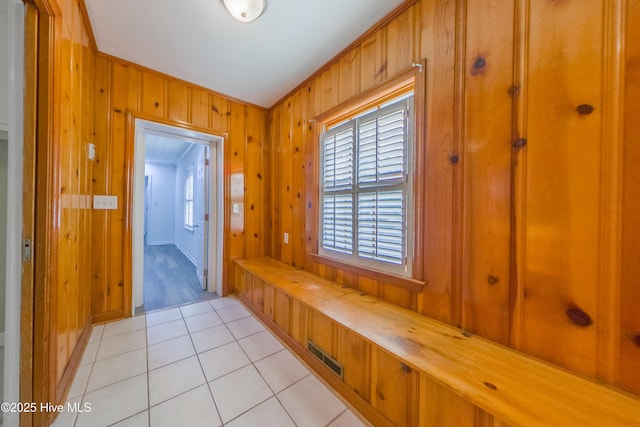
{"x": 206, "y": 364}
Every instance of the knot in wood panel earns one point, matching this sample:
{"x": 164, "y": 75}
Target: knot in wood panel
{"x": 579, "y": 317}
{"x": 491, "y": 386}
{"x": 519, "y": 143}
{"x": 584, "y": 109}
{"x": 478, "y": 65}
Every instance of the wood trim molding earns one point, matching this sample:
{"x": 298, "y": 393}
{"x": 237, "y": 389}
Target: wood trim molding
{"x": 28, "y": 208}
{"x": 413, "y": 77}
{"x": 73, "y": 365}
{"x": 38, "y": 316}
{"x": 377, "y": 94}
{"x": 130, "y": 135}
{"x": 107, "y": 317}
{"x": 402, "y": 282}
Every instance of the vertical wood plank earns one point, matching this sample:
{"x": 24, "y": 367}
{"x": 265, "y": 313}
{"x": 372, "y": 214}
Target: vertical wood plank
{"x": 311, "y": 137}
{"x": 354, "y": 353}
{"x": 256, "y": 206}
{"x": 373, "y": 65}
{"x": 330, "y": 88}
{"x": 487, "y": 170}
{"x": 438, "y": 45}
{"x": 562, "y": 168}
{"x": 322, "y": 331}
{"x": 220, "y": 114}
{"x": 439, "y": 406}
{"x": 178, "y": 101}
{"x": 628, "y": 369}
{"x": 257, "y": 292}
{"x": 235, "y": 193}
{"x": 286, "y": 176}
{"x": 349, "y": 75}
{"x": 127, "y": 85}
{"x": 298, "y": 182}
{"x": 393, "y": 388}
{"x": 282, "y": 310}
{"x": 269, "y": 301}
{"x": 401, "y": 42}
{"x": 299, "y": 322}
{"x": 101, "y": 168}
{"x": 153, "y": 94}
{"x": 200, "y": 107}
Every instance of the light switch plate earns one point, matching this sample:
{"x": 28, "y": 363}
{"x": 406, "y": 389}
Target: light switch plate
{"x": 286, "y": 238}
{"x": 105, "y": 202}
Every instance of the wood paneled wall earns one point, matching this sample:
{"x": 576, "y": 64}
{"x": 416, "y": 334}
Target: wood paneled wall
{"x": 530, "y": 237}
{"x": 59, "y": 66}
{"x": 119, "y": 88}
{"x": 74, "y": 182}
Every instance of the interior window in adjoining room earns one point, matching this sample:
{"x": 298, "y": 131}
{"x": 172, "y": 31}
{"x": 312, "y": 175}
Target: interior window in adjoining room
{"x": 188, "y": 200}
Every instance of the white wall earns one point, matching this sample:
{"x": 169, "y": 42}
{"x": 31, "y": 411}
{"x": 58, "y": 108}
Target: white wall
{"x": 4, "y": 67}
{"x": 15, "y": 96}
{"x": 3, "y": 224}
{"x": 185, "y": 239}
{"x": 4, "y": 127}
{"x": 162, "y": 206}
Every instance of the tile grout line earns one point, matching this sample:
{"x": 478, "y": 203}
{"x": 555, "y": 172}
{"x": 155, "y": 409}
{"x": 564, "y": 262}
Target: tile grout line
{"x": 84, "y": 389}
{"x": 146, "y": 350}
{"x": 208, "y": 383}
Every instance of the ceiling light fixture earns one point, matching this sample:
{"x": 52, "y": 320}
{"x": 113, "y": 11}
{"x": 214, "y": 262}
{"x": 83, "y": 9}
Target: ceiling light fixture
{"x": 245, "y": 10}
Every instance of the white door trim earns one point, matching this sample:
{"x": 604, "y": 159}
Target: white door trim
{"x": 216, "y": 198}
{"x": 14, "y": 208}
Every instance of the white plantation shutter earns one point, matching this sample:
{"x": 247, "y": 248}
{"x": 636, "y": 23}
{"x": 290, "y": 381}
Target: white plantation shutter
{"x": 381, "y": 226}
{"x": 338, "y": 158}
{"x": 366, "y": 188}
{"x": 381, "y": 155}
{"x": 338, "y": 223}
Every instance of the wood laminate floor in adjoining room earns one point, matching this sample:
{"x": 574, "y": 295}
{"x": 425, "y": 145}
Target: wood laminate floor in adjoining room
{"x": 170, "y": 279}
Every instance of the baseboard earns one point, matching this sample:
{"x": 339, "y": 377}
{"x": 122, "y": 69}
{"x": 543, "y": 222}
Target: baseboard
{"x": 160, "y": 243}
{"x": 189, "y": 257}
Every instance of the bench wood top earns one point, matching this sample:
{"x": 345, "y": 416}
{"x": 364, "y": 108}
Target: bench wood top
{"x": 510, "y": 385}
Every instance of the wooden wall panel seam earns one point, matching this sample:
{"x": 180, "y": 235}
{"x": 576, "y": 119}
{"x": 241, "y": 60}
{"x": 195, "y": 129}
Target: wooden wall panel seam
{"x": 612, "y": 102}
{"x": 458, "y": 168}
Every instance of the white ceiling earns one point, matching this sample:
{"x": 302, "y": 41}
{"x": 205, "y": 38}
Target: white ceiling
{"x": 160, "y": 149}
{"x": 168, "y": 144}
{"x": 260, "y": 62}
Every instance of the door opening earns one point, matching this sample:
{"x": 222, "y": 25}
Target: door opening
{"x": 177, "y": 215}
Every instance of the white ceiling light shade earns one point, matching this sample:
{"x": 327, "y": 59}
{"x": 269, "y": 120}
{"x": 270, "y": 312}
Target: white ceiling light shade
{"x": 245, "y": 10}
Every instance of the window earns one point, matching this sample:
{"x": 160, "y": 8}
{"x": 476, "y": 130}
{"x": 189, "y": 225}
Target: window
{"x": 366, "y": 188}
{"x": 188, "y": 200}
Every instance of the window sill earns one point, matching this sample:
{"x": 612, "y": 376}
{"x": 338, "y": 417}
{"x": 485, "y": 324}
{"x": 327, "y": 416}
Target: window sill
{"x": 402, "y": 282}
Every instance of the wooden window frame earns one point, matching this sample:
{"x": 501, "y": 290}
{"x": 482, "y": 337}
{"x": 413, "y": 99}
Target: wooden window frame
{"x": 414, "y": 79}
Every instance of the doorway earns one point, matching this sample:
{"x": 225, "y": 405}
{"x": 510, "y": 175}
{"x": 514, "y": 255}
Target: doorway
{"x": 177, "y": 216}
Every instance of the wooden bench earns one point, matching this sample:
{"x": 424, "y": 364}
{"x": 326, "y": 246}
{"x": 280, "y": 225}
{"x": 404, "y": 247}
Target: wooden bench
{"x": 359, "y": 331}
